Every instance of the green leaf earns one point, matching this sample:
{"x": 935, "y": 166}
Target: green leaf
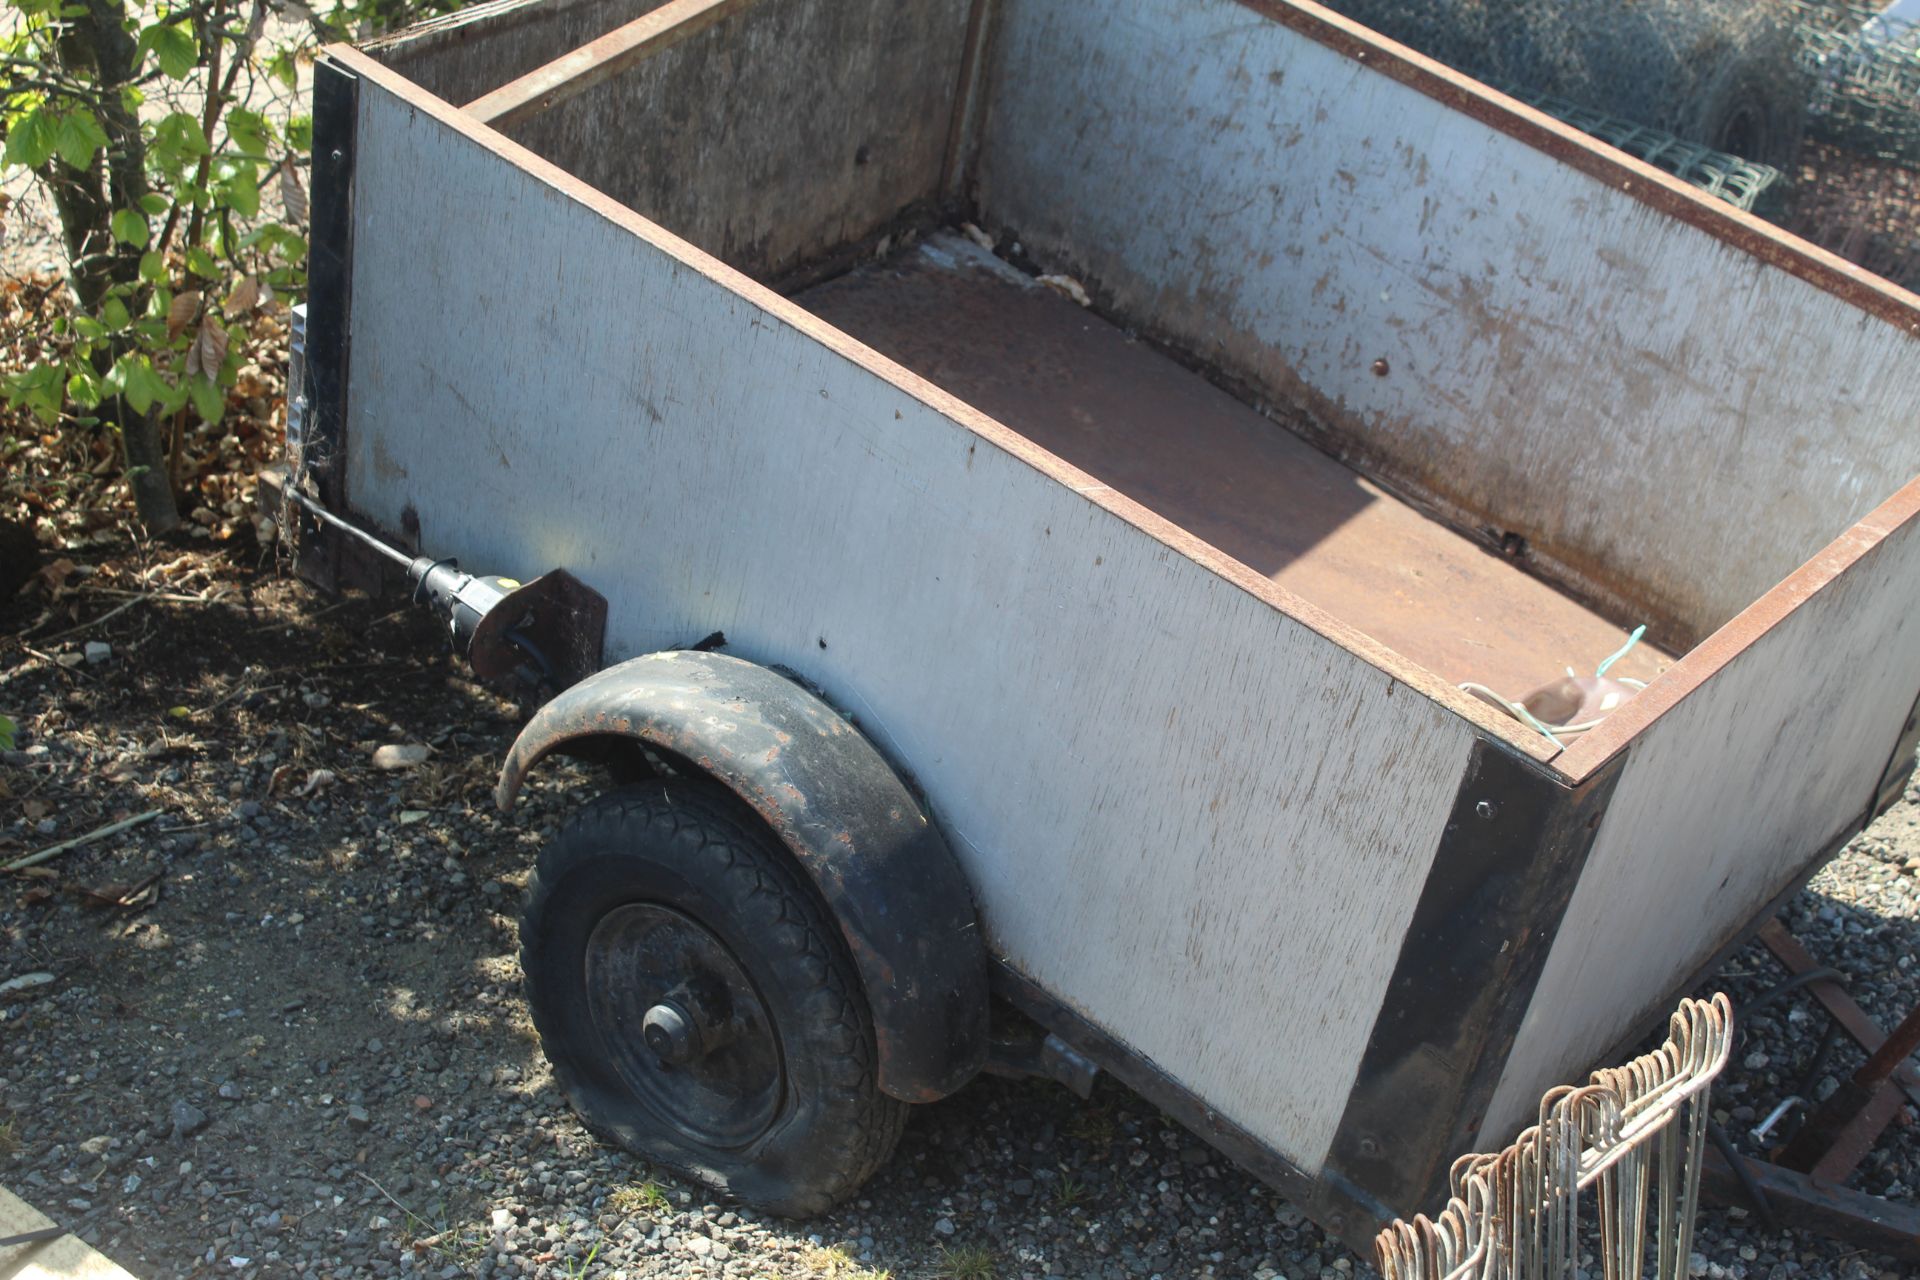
{"x": 201, "y": 263}
{"x": 208, "y": 400}
{"x": 153, "y": 204}
{"x": 300, "y": 133}
{"x": 172, "y": 399}
{"x": 173, "y": 47}
{"x": 178, "y": 141}
{"x": 248, "y": 132}
{"x": 134, "y": 377}
{"x": 113, "y": 313}
{"x": 85, "y": 389}
{"x": 153, "y": 268}
{"x": 130, "y": 227}
{"x": 9, "y": 734}
{"x": 282, "y": 67}
{"x": 240, "y": 193}
{"x": 41, "y": 389}
{"x": 78, "y": 137}
{"x": 31, "y": 139}
{"x": 89, "y": 328}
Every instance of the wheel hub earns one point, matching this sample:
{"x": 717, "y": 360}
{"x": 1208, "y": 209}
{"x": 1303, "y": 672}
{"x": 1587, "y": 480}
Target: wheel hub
{"x": 671, "y": 1034}
{"x": 683, "y": 1025}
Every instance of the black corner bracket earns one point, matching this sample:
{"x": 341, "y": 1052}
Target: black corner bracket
{"x": 1512, "y": 852}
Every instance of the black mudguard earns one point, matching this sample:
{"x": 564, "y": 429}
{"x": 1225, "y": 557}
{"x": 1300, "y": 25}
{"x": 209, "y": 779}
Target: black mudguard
{"x": 883, "y": 869}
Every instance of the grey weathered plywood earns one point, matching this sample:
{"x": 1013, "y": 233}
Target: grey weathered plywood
{"x": 1199, "y": 820}
{"x": 1524, "y": 344}
{"x": 780, "y": 133}
{"x": 574, "y": 72}
{"x": 1775, "y": 752}
{"x": 473, "y": 51}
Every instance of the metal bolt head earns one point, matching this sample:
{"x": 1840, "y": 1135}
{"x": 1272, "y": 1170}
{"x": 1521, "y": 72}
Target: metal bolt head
{"x": 1486, "y": 808}
{"x": 1370, "y": 1147}
{"x": 670, "y": 1035}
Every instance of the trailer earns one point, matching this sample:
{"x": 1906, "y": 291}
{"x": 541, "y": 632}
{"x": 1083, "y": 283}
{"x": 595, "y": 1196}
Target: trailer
{"x": 1031, "y": 480}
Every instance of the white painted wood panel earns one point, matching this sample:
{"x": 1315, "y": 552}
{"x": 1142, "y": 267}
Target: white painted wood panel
{"x": 1625, "y": 390}
{"x": 1726, "y": 797}
{"x": 1198, "y": 820}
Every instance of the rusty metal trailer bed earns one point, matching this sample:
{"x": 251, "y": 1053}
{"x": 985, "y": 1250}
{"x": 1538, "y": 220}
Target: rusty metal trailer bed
{"x": 1150, "y": 614}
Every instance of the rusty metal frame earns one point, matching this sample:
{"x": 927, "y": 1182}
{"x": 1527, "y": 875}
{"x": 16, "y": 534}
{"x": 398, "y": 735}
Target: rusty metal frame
{"x": 1803, "y": 1186}
{"x": 883, "y": 870}
{"x": 1833, "y": 997}
{"x": 1796, "y": 1200}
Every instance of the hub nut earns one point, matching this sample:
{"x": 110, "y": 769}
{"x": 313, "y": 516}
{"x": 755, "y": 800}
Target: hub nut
{"x": 670, "y": 1034}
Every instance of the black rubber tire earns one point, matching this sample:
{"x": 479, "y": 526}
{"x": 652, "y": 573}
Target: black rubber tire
{"x": 690, "y": 846}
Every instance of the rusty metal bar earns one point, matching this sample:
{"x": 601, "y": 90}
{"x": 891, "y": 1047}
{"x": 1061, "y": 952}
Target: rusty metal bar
{"x": 1834, "y": 999}
{"x": 572, "y": 74}
{"x": 1838, "y": 1136}
{"x": 1836, "y": 1212}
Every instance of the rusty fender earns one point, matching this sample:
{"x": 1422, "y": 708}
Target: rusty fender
{"x": 883, "y": 869}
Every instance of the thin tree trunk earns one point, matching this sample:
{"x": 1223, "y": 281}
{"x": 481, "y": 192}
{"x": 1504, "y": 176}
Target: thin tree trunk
{"x": 147, "y": 470}
{"x": 99, "y": 42}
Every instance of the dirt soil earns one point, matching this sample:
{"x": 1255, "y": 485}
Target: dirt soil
{"x": 284, "y": 1036}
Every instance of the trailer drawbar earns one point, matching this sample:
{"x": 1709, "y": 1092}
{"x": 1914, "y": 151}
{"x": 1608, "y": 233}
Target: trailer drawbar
{"x": 546, "y": 632}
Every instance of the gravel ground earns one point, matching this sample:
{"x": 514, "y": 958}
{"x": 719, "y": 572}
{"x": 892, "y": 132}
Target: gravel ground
{"x": 307, "y": 1053}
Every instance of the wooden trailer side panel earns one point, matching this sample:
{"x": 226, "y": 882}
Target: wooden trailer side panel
{"x": 475, "y": 50}
{"x": 1774, "y": 752}
{"x": 1199, "y": 821}
{"x": 1528, "y": 346}
{"x": 786, "y": 130}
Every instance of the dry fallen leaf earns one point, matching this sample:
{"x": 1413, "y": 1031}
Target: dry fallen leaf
{"x": 1067, "y": 287}
{"x": 180, "y": 314}
{"x": 245, "y": 297}
{"x": 123, "y": 897}
{"x": 256, "y": 26}
{"x": 400, "y": 756}
{"x": 317, "y": 779}
{"x": 292, "y": 194}
{"x": 209, "y": 349}
{"x": 53, "y": 578}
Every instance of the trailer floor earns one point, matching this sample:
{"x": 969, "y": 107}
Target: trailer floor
{"x": 1137, "y": 420}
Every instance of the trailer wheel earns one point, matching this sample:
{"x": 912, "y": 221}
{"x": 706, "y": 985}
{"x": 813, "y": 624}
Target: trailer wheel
{"x": 697, "y": 1004}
